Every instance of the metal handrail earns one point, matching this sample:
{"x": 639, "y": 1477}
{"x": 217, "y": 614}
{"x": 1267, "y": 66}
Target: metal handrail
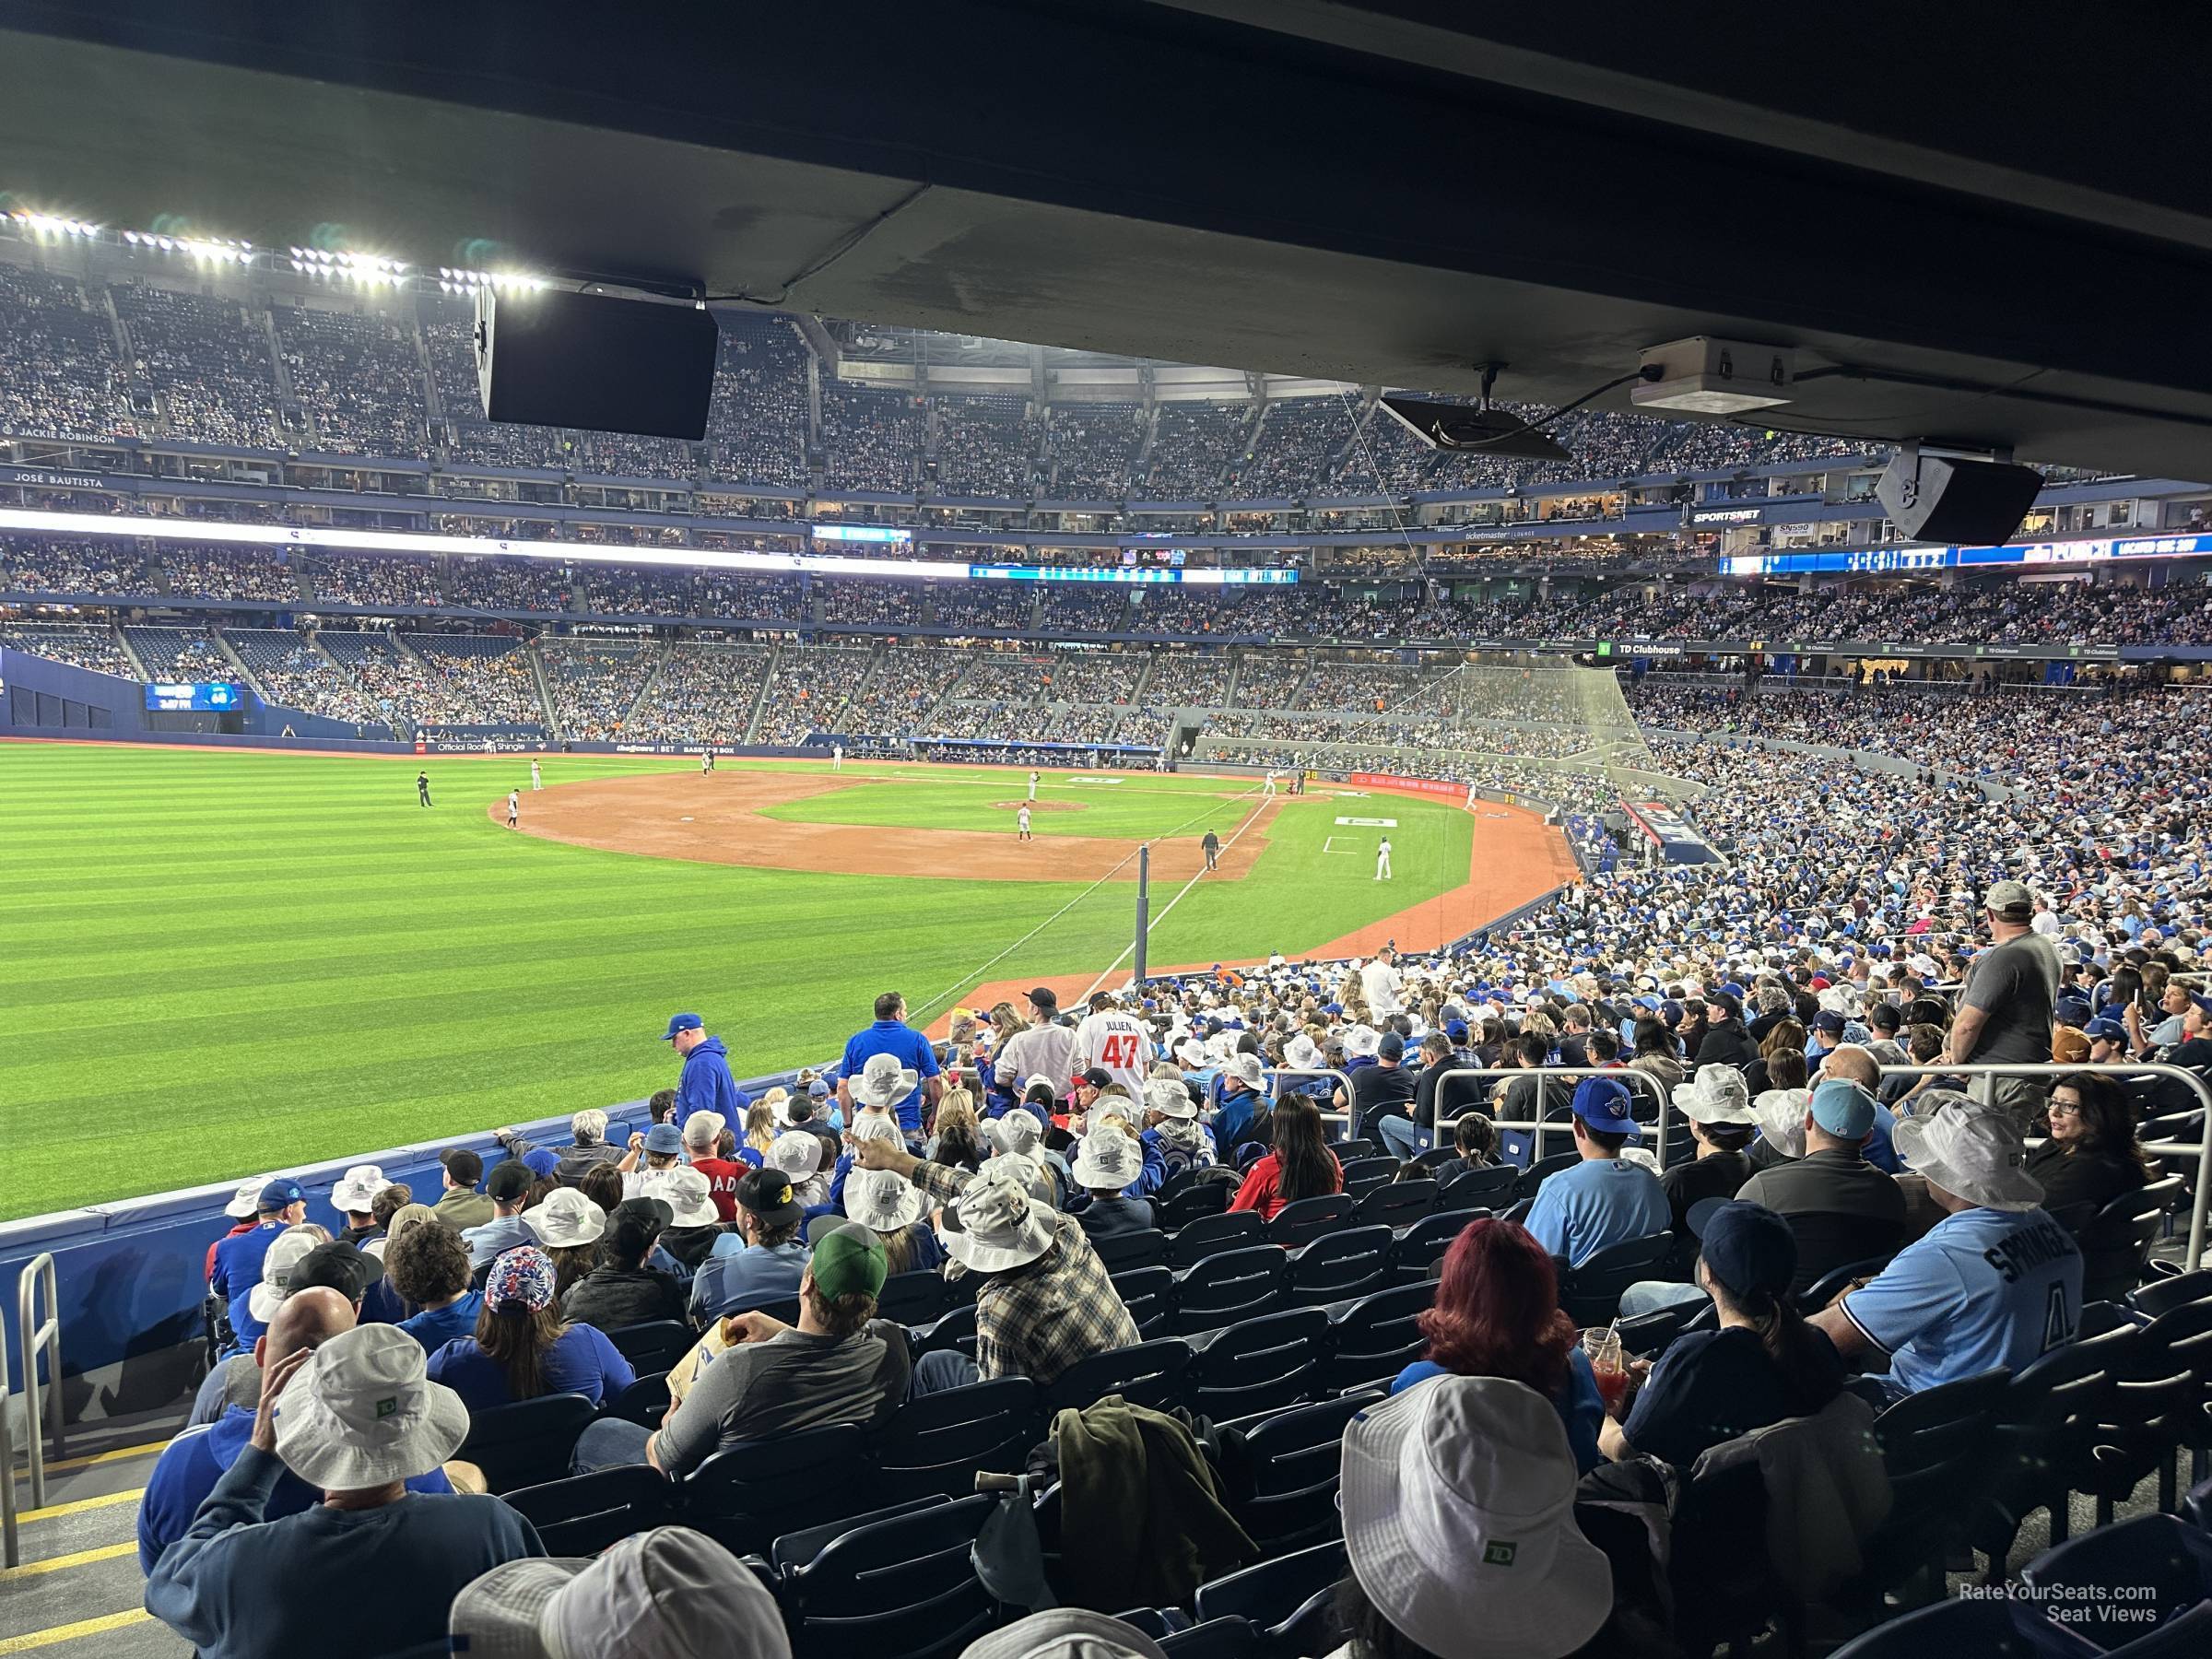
{"x": 34, "y": 1337}
{"x": 1621, "y": 1073}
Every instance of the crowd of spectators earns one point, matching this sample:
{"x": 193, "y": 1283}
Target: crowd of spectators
{"x": 985, "y": 446}
{"x": 905, "y": 685}
{"x": 229, "y": 573}
{"x": 359, "y": 379}
{"x": 983, "y": 605}
{"x": 508, "y": 584}
{"x": 351, "y": 580}
{"x": 1193, "y": 444}
{"x": 703, "y": 693}
{"x": 474, "y": 680}
{"x": 1095, "y": 676}
{"x": 1091, "y": 450}
{"x": 594, "y": 683}
{"x": 725, "y": 595}
{"x": 59, "y": 374}
{"x": 293, "y": 672}
{"x": 1073, "y": 607}
{"x": 80, "y": 646}
{"x": 208, "y": 361}
{"x": 757, "y": 428}
{"x": 179, "y": 653}
{"x": 58, "y": 565}
{"x": 808, "y": 689}
{"x": 1190, "y": 679}
{"x": 892, "y": 605}
{"x": 449, "y": 342}
{"x": 1002, "y": 676}
{"x": 1291, "y": 457}
{"x": 871, "y": 440}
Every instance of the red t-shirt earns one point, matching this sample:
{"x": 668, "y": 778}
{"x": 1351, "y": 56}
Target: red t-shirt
{"x": 722, "y": 1183}
{"x": 1263, "y": 1188}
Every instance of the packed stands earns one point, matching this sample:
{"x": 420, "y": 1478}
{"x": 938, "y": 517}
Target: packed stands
{"x": 208, "y": 361}
{"x": 1297, "y": 439}
{"x": 808, "y": 689}
{"x": 78, "y": 645}
{"x": 985, "y": 446}
{"x": 375, "y": 580}
{"x": 49, "y": 565}
{"x": 360, "y": 378}
{"x": 757, "y": 430}
{"x": 593, "y": 683}
{"x": 1191, "y": 447}
{"x": 1091, "y": 450}
{"x": 474, "y": 680}
{"x": 871, "y": 439}
{"x": 229, "y": 573}
{"x": 59, "y": 374}
{"x": 703, "y": 693}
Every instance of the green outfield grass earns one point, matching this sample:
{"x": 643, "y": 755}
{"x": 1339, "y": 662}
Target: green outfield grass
{"x": 1139, "y": 806}
{"x": 227, "y": 962}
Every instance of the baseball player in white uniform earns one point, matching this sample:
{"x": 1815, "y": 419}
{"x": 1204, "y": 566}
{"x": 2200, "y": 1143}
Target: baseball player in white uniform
{"x": 1270, "y": 788}
{"x": 1032, "y": 783}
{"x": 1382, "y": 860}
{"x": 836, "y": 757}
{"x": 537, "y": 781}
{"x": 1117, "y": 1042}
{"x": 1023, "y": 818}
{"x": 514, "y": 807}
{"x": 1470, "y": 797}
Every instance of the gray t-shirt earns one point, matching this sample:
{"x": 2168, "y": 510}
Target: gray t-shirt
{"x": 792, "y": 1381}
{"x": 2015, "y": 984}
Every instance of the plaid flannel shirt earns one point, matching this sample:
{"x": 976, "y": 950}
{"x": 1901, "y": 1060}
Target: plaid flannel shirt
{"x": 1036, "y": 1321}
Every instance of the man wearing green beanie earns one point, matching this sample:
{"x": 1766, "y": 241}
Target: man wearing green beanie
{"x": 838, "y": 1364}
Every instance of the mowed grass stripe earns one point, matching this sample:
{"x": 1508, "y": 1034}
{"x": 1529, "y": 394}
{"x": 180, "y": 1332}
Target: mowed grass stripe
{"x": 265, "y": 960}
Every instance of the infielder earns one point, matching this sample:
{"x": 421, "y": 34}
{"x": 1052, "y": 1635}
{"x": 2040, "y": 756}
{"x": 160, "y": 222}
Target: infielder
{"x": 706, "y": 761}
{"x": 537, "y": 781}
{"x": 836, "y": 757}
{"x": 514, "y": 807}
{"x": 1382, "y": 860}
{"x": 1470, "y": 797}
{"x": 1032, "y": 783}
{"x": 422, "y": 787}
{"x": 1023, "y": 818}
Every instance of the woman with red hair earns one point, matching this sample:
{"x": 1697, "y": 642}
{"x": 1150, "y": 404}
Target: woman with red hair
{"x": 1496, "y": 1314}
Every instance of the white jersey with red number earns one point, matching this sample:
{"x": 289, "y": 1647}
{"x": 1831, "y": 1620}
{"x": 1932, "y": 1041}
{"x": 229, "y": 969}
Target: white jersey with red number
{"x": 1119, "y": 1044}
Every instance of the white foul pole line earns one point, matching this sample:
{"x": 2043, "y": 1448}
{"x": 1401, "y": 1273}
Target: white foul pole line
{"x": 1129, "y": 949}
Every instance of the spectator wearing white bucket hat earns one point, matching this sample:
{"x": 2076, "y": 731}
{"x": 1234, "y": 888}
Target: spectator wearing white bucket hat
{"x": 358, "y": 1419}
{"x": 894, "y": 1209}
{"x": 1718, "y": 1105}
{"x": 1173, "y": 1136}
{"x": 1045, "y": 1301}
{"x": 1018, "y": 1137}
{"x": 1458, "y": 1499}
{"x": 568, "y": 1227}
{"x": 1066, "y": 1633}
{"x": 799, "y": 1154}
{"x": 1242, "y": 1114}
{"x": 669, "y": 1593}
{"x": 1996, "y": 1282}
{"x": 236, "y": 1381}
{"x": 353, "y": 1196}
{"x": 1109, "y": 1161}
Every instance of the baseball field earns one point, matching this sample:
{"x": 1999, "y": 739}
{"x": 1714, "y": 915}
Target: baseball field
{"x": 217, "y": 963}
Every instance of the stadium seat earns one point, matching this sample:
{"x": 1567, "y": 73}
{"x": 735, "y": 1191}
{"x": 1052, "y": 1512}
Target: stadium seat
{"x": 1422, "y": 1245}
{"x": 1306, "y": 1220}
{"x": 2050, "y": 1424}
{"x": 1215, "y": 1639}
{"x": 1434, "y": 1157}
{"x": 1479, "y": 1189}
{"x": 2174, "y": 1291}
{"x": 1939, "y": 1449}
{"x": 1399, "y": 1204}
{"x": 1151, "y": 1373}
{"x": 1237, "y": 1284}
{"x": 1283, "y": 1479}
{"x": 1362, "y": 1173}
{"x": 1376, "y": 1337}
{"x": 1273, "y": 1593}
{"x": 643, "y": 1401}
{"x": 2154, "y": 1573}
{"x": 1647, "y": 1335}
{"x": 1347, "y": 1151}
{"x": 584, "y": 1513}
{"x": 2162, "y": 1407}
{"x": 1123, "y": 1251}
{"x": 1830, "y": 1285}
{"x": 913, "y": 1298}
{"x": 2116, "y": 1244}
{"x": 1342, "y": 1265}
{"x": 1950, "y": 1629}
{"x": 745, "y": 1496}
{"x": 1149, "y": 1295}
{"x": 527, "y": 1442}
{"x": 1537, "y": 1174}
{"x": 936, "y": 1442}
{"x": 1178, "y": 1210}
{"x": 1591, "y": 1293}
{"x": 1210, "y": 1235}
{"x": 1257, "y": 1364}
{"x": 655, "y": 1345}
{"x": 900, "y": 1588}
{"x": 953, "y": 1333}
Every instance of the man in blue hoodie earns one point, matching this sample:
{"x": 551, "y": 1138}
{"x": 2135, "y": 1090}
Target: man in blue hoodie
{"x": 706, "y": 1083}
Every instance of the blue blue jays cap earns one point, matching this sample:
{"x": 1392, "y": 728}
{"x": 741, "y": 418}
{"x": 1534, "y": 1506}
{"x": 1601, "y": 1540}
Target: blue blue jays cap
{"x": 682, "y": 1022}
{"x": 279, "y": 1194}
{"x": 664, "y": 1137}
{"x": 2104, "y": 1026}
{"x": 1604, "y": 1104}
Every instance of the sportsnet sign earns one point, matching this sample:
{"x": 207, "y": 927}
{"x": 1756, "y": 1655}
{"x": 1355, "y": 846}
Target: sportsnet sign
{"x": 1432, "y": 786}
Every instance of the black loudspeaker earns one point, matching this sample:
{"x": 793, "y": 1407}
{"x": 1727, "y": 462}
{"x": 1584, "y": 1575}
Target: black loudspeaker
{"x": 1945, "y": 498}
{"x": 554, "y": 357}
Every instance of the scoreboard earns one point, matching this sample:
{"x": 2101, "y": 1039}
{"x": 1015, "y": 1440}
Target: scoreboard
{"x": 199, "y": 697}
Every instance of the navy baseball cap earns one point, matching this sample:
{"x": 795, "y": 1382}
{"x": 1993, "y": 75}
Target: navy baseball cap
{"x": 1604, "y": 1104}
{"x": 279, "y": 1194}
{"x": 1391, "y": 1047}
{"x": 1750, "y": 1249}
{"x": 682, "y": 1022}
{"x": 1828, "y": 1020}
{"x": 2106, "y": 1027}
{"x": 664, "y": 1137}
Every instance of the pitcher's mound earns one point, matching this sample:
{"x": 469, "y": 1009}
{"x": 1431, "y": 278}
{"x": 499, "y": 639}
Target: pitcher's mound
{"x": 1039, "y": 806}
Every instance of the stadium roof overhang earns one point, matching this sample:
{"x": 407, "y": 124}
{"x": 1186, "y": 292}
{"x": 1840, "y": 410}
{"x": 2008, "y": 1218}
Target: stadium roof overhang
{"x": 1991, "y": 239}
